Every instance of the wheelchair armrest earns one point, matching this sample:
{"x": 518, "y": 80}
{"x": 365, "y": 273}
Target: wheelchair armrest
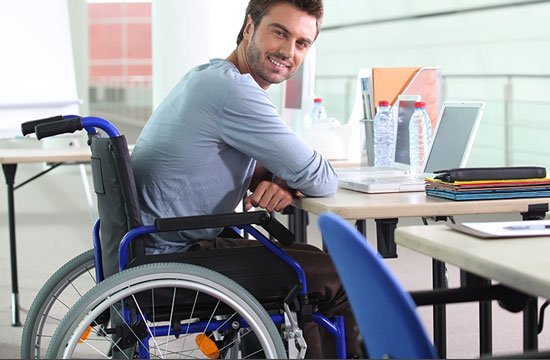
{"x": 279, "y": 231}
{"x": 262, "y": 218}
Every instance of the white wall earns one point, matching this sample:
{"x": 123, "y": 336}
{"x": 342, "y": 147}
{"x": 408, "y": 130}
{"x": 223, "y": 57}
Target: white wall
{"x": 36, "y": 67}
{"x": 187, "y": 33}
{"x": 78, "y": 22}
{"x": 511, "y": 40}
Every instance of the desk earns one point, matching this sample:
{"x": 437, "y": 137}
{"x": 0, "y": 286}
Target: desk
{"x": 10, "y": 158}
{"x": 387, "y": 208}
{"x": 520, "y": 263}
{"x": 353, "y": 205}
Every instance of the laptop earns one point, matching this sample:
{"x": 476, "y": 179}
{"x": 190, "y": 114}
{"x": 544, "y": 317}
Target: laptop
{"x": 452, "y": 142}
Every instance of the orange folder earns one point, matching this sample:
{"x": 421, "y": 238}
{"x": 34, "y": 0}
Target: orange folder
{"x": 390, "y": 82}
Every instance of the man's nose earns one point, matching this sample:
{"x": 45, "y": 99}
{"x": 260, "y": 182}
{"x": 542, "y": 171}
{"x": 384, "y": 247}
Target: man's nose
{"x": 288, "y": 48}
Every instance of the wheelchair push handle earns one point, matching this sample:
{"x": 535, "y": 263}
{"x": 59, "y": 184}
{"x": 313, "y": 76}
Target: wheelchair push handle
{"x": 28, "y": 127}
{"x": 67, "y": 124}
{"x": 53, "y": 128}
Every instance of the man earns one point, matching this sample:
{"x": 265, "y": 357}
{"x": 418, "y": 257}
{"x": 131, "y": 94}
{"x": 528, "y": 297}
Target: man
{"x": 218, "y": 135}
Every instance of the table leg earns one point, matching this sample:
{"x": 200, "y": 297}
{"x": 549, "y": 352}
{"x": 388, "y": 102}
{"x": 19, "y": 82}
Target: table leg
{"x": 530, "y": 313}
{"x": 361, "y": 226}
{"x": 439, "y": 311}
{"x": 297, "y": 223}
{"x": 485, "y": 324}
{"x": 468, "y": 279}
{"x": 9, "y": 174}
{"x": 530, "y": 341}
{"x": 385, "y": 237}
{"x": 535, "y": 212}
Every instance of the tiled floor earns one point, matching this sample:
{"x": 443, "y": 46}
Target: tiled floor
{"x": 54, "y": 224}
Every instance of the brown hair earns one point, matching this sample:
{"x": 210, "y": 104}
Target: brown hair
{"x": 258, "y": 8}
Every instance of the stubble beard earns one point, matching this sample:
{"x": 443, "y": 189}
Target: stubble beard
{"x": 257, "y": 63}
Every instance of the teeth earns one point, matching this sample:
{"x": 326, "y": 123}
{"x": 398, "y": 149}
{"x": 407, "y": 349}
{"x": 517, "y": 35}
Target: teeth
{"x": 277, "y": 63}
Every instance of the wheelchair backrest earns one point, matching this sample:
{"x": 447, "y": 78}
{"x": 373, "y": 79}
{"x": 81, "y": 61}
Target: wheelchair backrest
{"x": 117, "y": 199}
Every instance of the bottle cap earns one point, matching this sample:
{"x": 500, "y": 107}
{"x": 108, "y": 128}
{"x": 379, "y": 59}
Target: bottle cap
{"x": 317, "y": 100}
{"x": 383, "y": 103}
{"x": 420, "y": 104}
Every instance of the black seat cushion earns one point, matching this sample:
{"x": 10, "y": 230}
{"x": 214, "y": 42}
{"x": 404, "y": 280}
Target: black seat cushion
{"x": 255, "y": 268}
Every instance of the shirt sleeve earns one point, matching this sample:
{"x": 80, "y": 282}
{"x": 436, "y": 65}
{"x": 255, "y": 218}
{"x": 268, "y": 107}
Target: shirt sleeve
{"x": 250, "y": 123}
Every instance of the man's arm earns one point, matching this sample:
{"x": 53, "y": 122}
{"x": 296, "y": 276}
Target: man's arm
{"x": 252, "y": 125}
{"x": 268, "y": 193}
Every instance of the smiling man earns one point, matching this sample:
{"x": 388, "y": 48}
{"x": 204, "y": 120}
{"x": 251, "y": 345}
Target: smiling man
{"x": 218, "y": 136}
{"x": 272, "y": 51}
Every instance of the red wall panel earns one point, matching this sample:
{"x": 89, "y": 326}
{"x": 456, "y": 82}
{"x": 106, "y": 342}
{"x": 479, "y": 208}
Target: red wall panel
{"x": 119, "y": 33}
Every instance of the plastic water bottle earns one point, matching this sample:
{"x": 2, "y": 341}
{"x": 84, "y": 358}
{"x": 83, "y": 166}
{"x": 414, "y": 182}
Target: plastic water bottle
{"x": 318, "y": 112}
{"x": 420, "y": 137}
{"x": 384, "y": 135}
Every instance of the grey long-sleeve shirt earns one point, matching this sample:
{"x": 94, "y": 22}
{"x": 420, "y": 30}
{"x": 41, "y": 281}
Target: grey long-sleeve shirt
{"x": 197, "y": 153}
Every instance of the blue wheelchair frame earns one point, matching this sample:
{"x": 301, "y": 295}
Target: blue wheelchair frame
{"x": 71, "y": 123}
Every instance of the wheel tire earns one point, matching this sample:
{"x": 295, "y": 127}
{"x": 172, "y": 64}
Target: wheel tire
{"x": 50, "y": 298}
{"x": 75, "y": 326}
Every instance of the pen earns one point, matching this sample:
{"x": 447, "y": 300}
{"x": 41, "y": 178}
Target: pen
{"x": 369, "y": 107}
{"x": 366, "y": 99}
{"x": 527, "y": 227}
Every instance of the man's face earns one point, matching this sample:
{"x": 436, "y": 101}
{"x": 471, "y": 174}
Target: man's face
{"x": 278, "y": 44}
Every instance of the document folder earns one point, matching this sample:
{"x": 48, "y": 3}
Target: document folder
{"x": 504, "y": 229}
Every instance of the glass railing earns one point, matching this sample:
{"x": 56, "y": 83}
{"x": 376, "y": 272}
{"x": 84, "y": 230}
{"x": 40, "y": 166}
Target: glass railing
{"x": 125, "y": 101}
{"x": 513, "y": 131}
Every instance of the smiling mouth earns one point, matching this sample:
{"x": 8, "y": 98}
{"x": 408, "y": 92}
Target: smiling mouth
{"x": 278, "y": 63}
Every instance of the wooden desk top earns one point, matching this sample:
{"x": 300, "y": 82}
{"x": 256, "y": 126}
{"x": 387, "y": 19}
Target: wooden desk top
{"x": 354, "y": 205}
{"x": 521, "y": 263}
{"x": 36, "y": 155}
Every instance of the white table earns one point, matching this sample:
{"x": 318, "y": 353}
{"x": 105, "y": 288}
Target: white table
{"x": 10, "y": 159}
{"x": 387, "y": 208}
{"x": 519, "y": 263}
{"x": 356, "y": 205}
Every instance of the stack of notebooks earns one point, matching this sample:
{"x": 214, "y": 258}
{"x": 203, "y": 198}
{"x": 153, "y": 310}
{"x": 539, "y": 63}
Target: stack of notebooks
{"x": 489, "y": 183}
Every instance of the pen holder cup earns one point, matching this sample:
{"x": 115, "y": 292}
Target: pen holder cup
{"x": 369, "y": 140}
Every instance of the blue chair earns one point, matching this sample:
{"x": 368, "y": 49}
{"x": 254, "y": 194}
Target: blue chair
{"x": 385, "y": 312}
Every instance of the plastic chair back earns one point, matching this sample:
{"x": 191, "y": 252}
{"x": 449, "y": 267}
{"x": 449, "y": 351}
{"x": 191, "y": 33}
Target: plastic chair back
{"x": 385, "y": 312}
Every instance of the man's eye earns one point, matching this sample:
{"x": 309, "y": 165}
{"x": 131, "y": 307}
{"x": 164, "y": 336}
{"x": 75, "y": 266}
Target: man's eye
{"x": 303, "y": 45}
{"x": 279, "y": 33}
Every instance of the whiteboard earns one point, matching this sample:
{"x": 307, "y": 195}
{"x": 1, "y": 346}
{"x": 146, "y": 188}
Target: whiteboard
{"x": 37, "y": 76}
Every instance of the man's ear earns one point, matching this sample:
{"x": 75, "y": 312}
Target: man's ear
{"x": 249, "y": 28}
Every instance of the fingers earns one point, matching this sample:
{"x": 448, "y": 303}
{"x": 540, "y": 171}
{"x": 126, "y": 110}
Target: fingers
{"x": 247, "y": 204}
{"x": 269, "y": 196}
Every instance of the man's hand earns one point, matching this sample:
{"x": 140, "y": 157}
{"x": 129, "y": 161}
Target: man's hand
{"x": 270, "y": 196}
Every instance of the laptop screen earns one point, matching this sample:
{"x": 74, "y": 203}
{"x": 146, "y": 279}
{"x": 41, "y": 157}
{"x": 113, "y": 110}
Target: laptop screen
{"x": 454, "y": 135}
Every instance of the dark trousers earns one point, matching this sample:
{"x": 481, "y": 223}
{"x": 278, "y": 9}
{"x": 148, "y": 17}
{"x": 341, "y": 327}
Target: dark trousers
{"x": 322, "y": 279}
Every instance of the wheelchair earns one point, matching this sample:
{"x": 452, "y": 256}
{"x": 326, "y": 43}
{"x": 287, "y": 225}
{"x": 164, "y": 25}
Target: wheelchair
{"x": 217, "y": 303}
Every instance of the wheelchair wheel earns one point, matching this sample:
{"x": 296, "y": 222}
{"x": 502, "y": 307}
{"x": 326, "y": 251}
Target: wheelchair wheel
{"x": 55, "y": 298}
{"x": 167, "y": 310}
